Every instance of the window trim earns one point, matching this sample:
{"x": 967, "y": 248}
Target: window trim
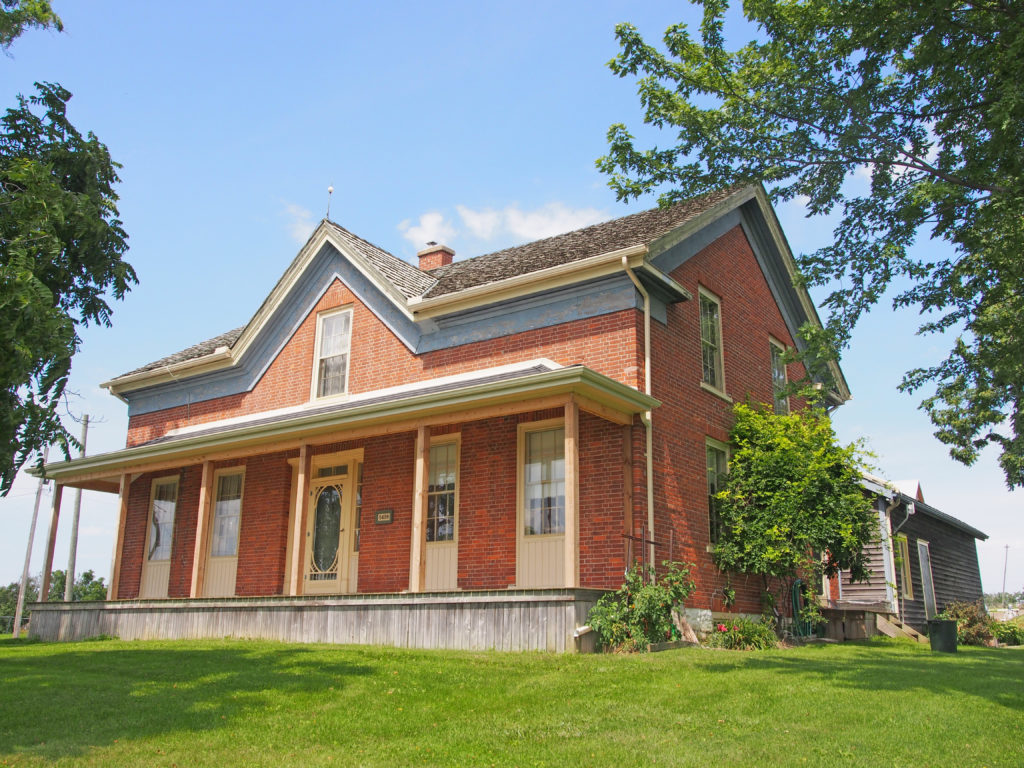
{"x": 906, "y": 580}
{"x": 773, "y": 345}
{"x": 162, "y": 480}
{"x": 315, "y": 371}
{"x": 704, "y": 294}
{"x": 710, "y": 442}
{"x": 438, "y": 441}
{"x": 217, "y": 475}
{"x": 523, "y": 429}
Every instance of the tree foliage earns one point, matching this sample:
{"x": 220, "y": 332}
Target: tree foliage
{"x": 61, "y": 247}
{"x": 18, "y": 15}
{"x": 792, "y": 505}
{"x": 925, "y": 99}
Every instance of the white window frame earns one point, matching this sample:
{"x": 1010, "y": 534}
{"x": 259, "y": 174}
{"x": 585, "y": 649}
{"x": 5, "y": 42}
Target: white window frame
{"x": 710, "y": 442}
{"x": 525, "y": 430}
{"x": 226, "y": 472}
{"x": 717, "y": 388}
{"x": 780, "y": 400}
{"x": 315, "y": 378}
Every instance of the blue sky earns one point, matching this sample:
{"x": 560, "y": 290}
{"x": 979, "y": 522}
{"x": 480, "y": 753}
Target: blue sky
{"x": 476, "y": 124}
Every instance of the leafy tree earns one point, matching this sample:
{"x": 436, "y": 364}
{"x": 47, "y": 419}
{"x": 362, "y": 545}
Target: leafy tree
{"x": 18, "y": 15}
{"x": 926, "y": 99}
{"x": 61, "y": 245}
{"x": 791, "y": 505}
{"x": 87, "y": 587}
{"x": 9, "y": 598}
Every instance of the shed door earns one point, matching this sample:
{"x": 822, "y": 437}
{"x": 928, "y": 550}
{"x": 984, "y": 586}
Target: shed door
{"x": 927, "y": 586}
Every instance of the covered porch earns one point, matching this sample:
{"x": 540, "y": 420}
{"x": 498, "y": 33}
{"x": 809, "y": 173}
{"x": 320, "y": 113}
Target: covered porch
{"x": 453, "y": 513}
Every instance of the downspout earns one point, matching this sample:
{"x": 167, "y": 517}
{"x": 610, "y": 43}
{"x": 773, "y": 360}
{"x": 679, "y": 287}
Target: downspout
{"x": 646, "y": 417}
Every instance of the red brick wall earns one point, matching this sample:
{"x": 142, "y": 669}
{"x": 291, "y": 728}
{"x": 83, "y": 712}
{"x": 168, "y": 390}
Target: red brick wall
{"x": 384, "y": 550}
{"x": 378, "y": 359}
{"x": 602, "y": 547}
{"x": 186, "y": 515}
{"x": 690, "y": 414}
{"x": 263, "y": 530}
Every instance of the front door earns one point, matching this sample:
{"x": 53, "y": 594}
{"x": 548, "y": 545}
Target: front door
{"x": 327, "y": 534}
{"x": 156, "y": 561}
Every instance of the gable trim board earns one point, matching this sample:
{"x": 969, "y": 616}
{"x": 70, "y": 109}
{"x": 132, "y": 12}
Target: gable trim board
{"x": 428, "y": 324}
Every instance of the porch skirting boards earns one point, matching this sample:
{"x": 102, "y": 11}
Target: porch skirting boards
{"x": 501, "y": 620}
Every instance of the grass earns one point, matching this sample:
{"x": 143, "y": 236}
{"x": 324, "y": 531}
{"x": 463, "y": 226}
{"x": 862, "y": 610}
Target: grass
{"x": 218, "y": 703}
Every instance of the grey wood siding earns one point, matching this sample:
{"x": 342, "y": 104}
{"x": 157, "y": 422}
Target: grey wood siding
{"x": 505, "y": 620}
{"x": 954, "y": 557}
{"x": 871, "y": 592}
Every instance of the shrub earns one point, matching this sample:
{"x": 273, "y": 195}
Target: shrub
{"x": 739, "y": 634}
{"x": 1009, "y": 632}
{"x": 973, "y": 625}
{"x": 640, "y": 612}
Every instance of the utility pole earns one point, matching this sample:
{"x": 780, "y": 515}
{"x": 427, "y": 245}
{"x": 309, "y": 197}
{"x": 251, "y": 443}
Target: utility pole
{"x": 1006, "y": 557}
{"x": 69, "y": 577}
{"x": 28, "y": 551}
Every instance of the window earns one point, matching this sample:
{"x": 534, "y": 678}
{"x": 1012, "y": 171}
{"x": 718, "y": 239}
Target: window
{"x": 544, "y": 482}
{"x": 903, "y": 566}
{"x": 717, "y": 466}
{"x": 333, "y": 338}
{"x": 441, "y": 492}
{"x": 779, "y": 380}
{"x": 711, "y": 341}
{"x": 227, "y": 513}
{"x": 161, "y": 518}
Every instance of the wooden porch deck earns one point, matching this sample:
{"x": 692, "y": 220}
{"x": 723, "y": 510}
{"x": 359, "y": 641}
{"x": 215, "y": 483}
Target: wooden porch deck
{"x": 502, "y": 620}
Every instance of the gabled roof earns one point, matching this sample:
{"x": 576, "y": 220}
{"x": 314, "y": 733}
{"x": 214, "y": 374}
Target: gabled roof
{"x": 572, "y": 258}
{"x": 615, "y": 235}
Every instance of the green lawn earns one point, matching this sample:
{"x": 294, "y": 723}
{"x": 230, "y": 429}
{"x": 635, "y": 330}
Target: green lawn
{"x": 218, "y": 703}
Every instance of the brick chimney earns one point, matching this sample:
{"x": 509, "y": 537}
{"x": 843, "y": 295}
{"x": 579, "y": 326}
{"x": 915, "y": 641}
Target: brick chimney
{"x": 434, "y": 256}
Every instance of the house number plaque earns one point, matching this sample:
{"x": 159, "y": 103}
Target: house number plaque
{"x": 384, "y": 516}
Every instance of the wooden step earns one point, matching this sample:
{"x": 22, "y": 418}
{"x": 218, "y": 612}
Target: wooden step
{"x": 896, "y": 628}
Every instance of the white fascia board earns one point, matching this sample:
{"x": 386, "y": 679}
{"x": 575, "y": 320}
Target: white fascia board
{"x": 697, "y": 223}
{"x": 216, "y": 359}
{"x": 531, "y": 282}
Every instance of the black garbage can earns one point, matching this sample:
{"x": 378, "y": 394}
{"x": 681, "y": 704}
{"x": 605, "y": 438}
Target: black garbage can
{"x": 942, "y": 635}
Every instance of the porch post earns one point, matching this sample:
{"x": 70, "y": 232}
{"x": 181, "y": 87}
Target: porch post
{"x": 44, "y": 587}
{"x": 202, "y": 545}
{"x": 122, "y": 518}
{"x": 418, "y": 560}
{"x": 572, "y": 493}
{"x": 299, "y": 526}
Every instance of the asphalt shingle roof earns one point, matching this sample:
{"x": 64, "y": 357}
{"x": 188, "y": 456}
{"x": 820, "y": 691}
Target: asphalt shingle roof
{"x": 635, "y": 229}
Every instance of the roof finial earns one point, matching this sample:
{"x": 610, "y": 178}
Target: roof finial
{"x": 330, "y": 191}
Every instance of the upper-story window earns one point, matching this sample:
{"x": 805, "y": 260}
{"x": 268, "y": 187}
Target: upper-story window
{"x": 711, "y": 341}
{"x": 333, "y": 339}
{"x": 780, "y": 382}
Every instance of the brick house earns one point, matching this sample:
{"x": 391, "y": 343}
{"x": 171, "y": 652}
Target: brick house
{"x": 459, "y": 454}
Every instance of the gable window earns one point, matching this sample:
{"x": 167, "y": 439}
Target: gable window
{"x": 779, "y": 380}
{"x": 441, "y": 493}
{"x": 717, "y": 465}
{"x": 544, "y": 482}
{"x": 712, "y": 372}
{"x": 227, "y": 513}
{"x": 333, "y": 338}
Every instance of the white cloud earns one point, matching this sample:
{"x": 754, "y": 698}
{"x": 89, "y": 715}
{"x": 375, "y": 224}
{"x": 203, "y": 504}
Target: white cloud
{"x": 550, "y": 219}
{"x": 483, "y": 224}
{"x": 300, "y": 222}
{"x": 431, "y": 226}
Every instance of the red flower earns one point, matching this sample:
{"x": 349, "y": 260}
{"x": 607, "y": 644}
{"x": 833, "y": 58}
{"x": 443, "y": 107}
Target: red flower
{"x": 721, "y": 628}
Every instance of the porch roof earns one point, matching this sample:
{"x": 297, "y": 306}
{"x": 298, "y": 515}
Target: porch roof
{"x": 432, "y": 402}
